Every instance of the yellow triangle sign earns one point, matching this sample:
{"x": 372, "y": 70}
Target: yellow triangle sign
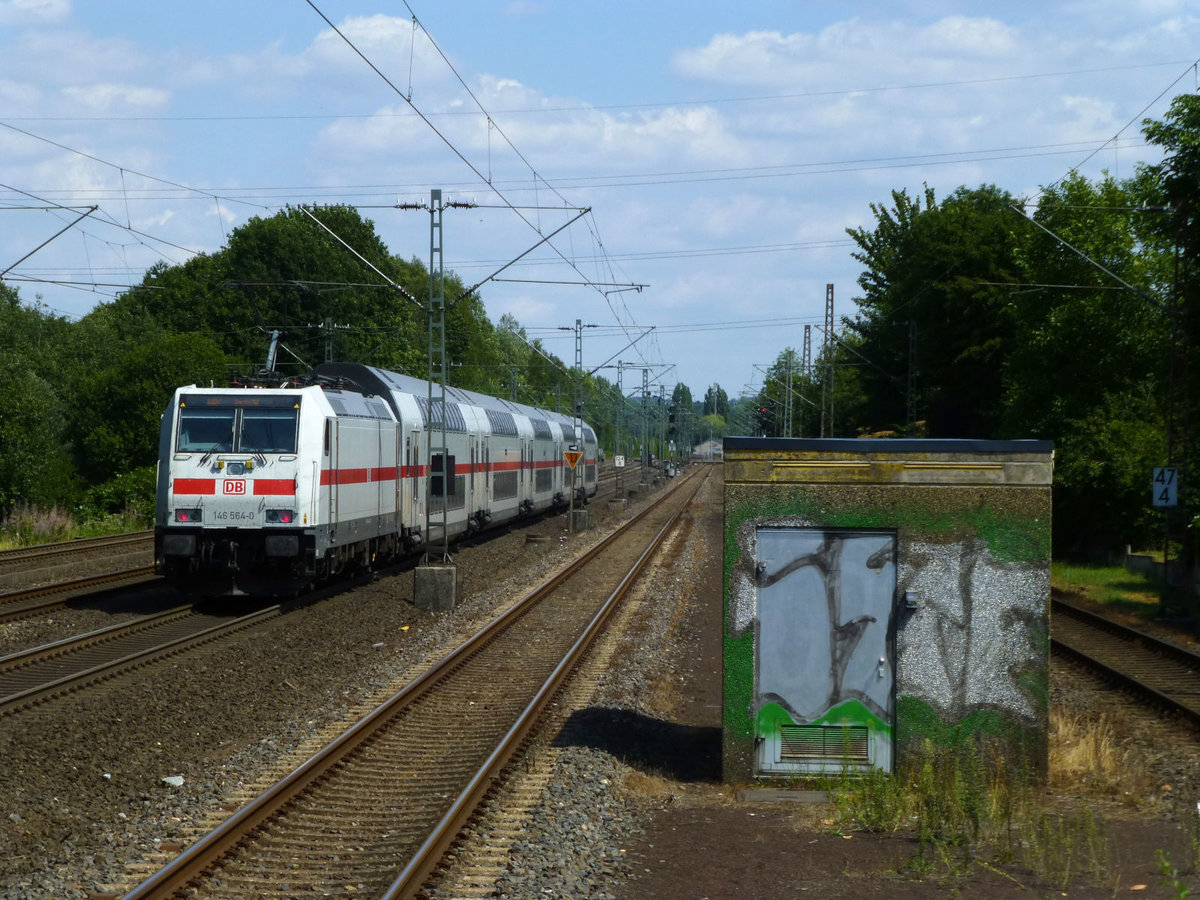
{"x": 572, "y": 457}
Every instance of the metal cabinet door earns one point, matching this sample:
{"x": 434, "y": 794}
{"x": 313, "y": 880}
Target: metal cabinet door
{"x": 824, "y": 659}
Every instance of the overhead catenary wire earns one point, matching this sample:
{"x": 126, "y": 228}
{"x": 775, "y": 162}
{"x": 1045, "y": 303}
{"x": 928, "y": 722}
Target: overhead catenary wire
{"x": 660, "y": 104}
{"x": 450, "y": 144}
{"x": 1192, "y": 67}
{"x": 273, "y": 194}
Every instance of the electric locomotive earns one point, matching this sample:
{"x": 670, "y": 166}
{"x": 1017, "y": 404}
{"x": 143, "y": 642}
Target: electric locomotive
{"x": 265, "y": 490}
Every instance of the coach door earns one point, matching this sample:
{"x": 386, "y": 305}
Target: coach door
{"x": 331, "y": 467}
{"x": 398, "y": 482}
{"x": 486, "y": 499}
{"x": 527, "y": 476}
{"x": 823, "y": 654}
{"x": 473, "y": 499}
{"x": 415, "y": 494}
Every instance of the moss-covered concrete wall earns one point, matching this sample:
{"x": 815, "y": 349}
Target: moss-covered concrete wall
{"x": 973, "y": 556}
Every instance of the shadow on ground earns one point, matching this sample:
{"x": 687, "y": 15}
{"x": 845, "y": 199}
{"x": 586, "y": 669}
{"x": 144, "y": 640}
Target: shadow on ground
{"x": 686, "y": 753}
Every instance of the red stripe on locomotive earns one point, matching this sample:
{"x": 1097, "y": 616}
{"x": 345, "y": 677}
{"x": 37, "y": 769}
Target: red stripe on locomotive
{"x": 195, "y": 486}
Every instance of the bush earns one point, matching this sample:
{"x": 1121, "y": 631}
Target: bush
{"x": 129, "y": 496}
{"x": 26, "y": 525}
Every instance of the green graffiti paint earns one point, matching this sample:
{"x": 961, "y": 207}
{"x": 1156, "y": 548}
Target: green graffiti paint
{"x": 848, "y": 712}
{"x": 739, "y": 686}
{"x": 1014, "y": 536}
{"x": 917, "y": 720}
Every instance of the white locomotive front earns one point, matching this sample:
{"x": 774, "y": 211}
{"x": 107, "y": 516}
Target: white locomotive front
{"x": 264, "y": 490}
{"x": 241, "y": 479}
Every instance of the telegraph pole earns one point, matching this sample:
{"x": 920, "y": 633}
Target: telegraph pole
{"x": 645, "y": 454}
{"x": 618, "y": 457}
{"x": 787, "y": 399}
{"x": 830, "y": 349}
{"x": 436, "y": 399}
{"x": 806, "y": 360}
{"x": 577, "y": 423}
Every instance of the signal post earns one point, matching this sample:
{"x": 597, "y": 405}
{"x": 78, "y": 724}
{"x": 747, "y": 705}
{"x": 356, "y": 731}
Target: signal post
{"x": 577, "y": 519}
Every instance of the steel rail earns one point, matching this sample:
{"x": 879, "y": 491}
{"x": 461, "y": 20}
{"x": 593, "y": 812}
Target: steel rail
{"x": 102, "y": 672}
{"x": 1172, "y": 690}
{"x": 67, "y": 645}
{"x": 177, "y": 875}
{"x": 12, "y": 603}
{"x": 412, "y": 877}
{"x": 60, "y": 547}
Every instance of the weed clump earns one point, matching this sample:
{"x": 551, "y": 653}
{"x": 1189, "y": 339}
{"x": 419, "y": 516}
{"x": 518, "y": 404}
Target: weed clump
{"x": 969, "y": 809}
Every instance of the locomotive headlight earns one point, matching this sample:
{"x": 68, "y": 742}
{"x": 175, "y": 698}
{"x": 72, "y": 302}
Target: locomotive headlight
{"x": 281, "y": 516}
{"x": 188, "y": 515}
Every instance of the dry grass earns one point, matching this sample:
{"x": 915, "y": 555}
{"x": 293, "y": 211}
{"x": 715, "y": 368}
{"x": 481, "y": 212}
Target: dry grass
{"x": 647, "y": 785}
{"x": 26, "y": 525}
{"x": 1086, "y": 758}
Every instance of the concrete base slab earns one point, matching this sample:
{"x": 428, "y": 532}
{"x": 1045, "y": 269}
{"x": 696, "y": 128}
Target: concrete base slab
{"x": 619, "y": 503}
{"x": 435, "y": 588}
{"x": 778, "y": 795}
{"x": 579, "y": 520}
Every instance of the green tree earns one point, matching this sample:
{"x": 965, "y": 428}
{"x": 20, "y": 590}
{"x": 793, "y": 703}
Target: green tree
{"x": 128, "y": 398}
{"x": 1174, "y": 185}
{"x": 680, "y": 420}
{"x": 1102, "y": 472}
{"x": 933, "y": 284}
{"x": 287, "y": 272}
{"x": 1081, "y": 335}
{"x": 35, "y": 464}
{"x": 35, "y": 468}
{"x": 716, "y": 401}
{"x": 711, "y": 425}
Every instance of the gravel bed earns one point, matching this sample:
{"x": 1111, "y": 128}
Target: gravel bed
{"x": 599, "y": 798}
{"x": 636, "y": 808}
{"x": 82, "y": 791}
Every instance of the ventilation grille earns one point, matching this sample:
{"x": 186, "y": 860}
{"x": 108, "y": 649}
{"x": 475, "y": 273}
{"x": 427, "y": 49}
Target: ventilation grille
{"x": 501, "y": 422}
{"x": 504, "y": 485}
{"x": 823, "y": 742}
{"x": 454, "y": 416}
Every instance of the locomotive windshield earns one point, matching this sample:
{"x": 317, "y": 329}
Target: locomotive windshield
{"x": 268, "y": 430}
{"x": 206, "y": 430}
{"x": 224, "y": 423}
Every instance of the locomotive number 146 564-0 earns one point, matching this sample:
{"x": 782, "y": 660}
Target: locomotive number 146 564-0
{"x": 234, "y": 515}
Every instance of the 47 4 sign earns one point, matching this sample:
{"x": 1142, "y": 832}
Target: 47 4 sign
{"x": 1166, "y": 486}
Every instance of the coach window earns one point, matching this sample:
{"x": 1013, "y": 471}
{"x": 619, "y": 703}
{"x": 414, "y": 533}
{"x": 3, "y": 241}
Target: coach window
{"x": 205, "y": 430}
{"x": 268, "y": 430}
{"x": 439, "y": 486}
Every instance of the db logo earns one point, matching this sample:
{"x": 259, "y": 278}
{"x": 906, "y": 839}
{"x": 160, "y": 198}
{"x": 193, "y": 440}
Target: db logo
{"x": 235, "y": 486}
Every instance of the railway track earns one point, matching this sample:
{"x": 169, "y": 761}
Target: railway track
{"x": 43, "y": 673}
{"x": 55, "y": 560}
{"x": 1161, "y": 672}
{"x": 27, "y": 602}
{"x": 373, "y": 813}
{"x": 39, "y": 553}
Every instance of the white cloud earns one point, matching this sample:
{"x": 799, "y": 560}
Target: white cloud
{"x": 836, "y": 129}
{"x": 851, "y": 53}
{"x": 19, "y": 94}
{"x": 104, "y": 98}
{"x": 27, "y": 12}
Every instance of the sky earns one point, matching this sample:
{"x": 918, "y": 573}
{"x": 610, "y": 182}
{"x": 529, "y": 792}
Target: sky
{"x": 720, "y": 150}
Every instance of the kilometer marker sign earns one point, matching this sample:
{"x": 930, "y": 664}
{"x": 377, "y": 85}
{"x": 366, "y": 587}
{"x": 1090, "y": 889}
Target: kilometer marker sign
{"x": 572, "y": 457}
{"x": 1166, "y": 486}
